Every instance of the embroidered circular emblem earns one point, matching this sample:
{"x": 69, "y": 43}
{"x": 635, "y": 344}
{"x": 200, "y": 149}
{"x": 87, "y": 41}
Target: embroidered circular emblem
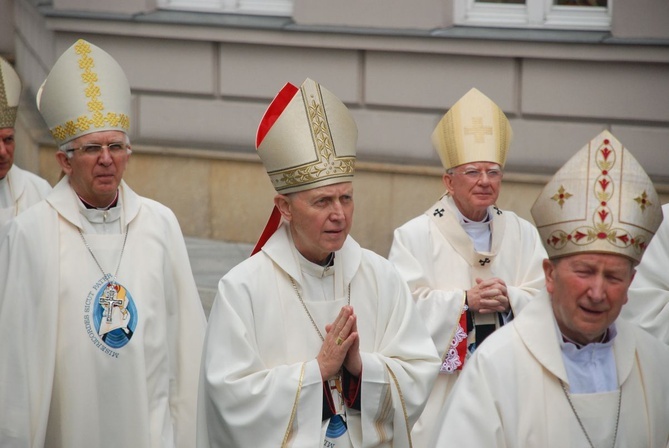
{"x": 115, "y": 316}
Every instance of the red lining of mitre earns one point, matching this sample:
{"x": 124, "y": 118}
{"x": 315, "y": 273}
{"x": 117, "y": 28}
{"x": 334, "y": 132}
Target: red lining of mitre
{"x": 274, "y": 111}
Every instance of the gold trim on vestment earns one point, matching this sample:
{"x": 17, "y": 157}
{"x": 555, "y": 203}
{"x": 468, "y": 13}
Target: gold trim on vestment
{"x": 404, "y": 408}
{"x": 386, "y": 411}
{"x": 286, "y": 437}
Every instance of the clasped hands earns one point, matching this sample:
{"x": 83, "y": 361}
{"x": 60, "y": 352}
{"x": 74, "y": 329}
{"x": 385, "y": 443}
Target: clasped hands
{"x": 488, "y": 296}
{"x": 341, "y": 347}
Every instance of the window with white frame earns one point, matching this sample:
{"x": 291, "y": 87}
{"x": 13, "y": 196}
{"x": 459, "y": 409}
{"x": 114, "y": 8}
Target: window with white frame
{"x": 259, "y": 7}
{"x": 549, "y": 14}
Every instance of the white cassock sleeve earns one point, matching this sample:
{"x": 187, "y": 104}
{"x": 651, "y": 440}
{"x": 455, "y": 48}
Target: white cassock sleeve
{"x": 401, "y": 365}
{"x": 441, "y": 307}
{"x": 185, "y": 330}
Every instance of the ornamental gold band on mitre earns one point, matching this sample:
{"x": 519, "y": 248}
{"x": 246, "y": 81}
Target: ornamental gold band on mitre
{"x": 97, "y": 118}
{"x": 7, "y": 112}
{"x": 326, "y": 167}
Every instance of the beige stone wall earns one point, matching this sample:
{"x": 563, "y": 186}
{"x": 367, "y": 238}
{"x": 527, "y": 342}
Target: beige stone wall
{"x": 203, "y": 93}
{"x": 7, "y": 28}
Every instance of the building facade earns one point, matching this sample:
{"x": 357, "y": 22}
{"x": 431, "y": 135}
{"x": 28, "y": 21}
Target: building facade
{"x": 203, "y": 71}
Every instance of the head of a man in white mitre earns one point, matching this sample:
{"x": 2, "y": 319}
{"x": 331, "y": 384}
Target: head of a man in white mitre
{"x": 474, "y": 187}
{"x": 472, "y": 140}
{"x": 307, "y": 142}
{"x": 596, "y": 217}
{"x": 10, "y": 93}
{"x": 85, "y": 102}
{"x": 95, "y": 164}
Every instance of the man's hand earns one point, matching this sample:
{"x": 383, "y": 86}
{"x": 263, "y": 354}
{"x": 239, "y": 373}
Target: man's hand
{"x": 341, "y": 336}
{"x": 488, "y": 296}
{"x": 353, "y": 361}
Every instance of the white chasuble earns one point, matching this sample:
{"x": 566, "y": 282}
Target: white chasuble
{"x": 599, "y": 415}
{"x": 261, "y": 384}
{"x": 509, "y": 395}
{"x": 77, "y": 379}
{"x": 648, "y": 304}
{"x": 20, "y": 189}
{"x": 437, "y": 258}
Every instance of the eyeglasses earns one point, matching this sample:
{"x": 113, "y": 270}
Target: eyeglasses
{"x": 94, "y": 149}
{"x": 473, "y": 174}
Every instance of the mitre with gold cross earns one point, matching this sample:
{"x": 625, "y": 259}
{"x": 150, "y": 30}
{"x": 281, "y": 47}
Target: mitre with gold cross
{"x": 86, "y": 91}
{"x": 10, "y": 94}
{"x": 600, "y": 201}
{"x": 474, "y": 130}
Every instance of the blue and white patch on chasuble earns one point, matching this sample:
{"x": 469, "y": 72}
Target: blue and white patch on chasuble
{"x": 110, "y": 316}
{"x": 336, "y": 427}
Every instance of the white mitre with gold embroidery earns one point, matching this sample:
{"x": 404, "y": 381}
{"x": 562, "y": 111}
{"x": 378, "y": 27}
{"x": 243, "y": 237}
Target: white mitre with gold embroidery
{"x": 307, "y": 139}
{"x": 10, "y": 93}
{"x": 600, "y": 201}
{"x": 86, "y": 91}
{"x": 474, "y": 130}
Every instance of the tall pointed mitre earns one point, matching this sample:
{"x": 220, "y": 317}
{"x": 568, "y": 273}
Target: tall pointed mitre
{"x": 307, "y": 139}
{"x": 600, "y": 201}
{"x": 86, "y": 91}
{"x": 474, "y": 130}
{"x": 10, "y": 93}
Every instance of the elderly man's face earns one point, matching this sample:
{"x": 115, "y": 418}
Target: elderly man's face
{"x": 96, "y": 177}
{"x": 587, "y": 293}
{"x": 474, "y": 187}
{"x": 6, "y": 150}
{"x": 320, "y": 219}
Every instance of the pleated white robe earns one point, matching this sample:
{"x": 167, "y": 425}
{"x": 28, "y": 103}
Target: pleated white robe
{"x": 261, "y": 384}
{"x": 61, "y": 385}
{"x": 437, "y": 258}
{"x": 648, "y": 304}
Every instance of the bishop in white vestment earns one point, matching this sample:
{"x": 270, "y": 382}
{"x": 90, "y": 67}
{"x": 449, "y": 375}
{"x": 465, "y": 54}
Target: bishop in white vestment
{"x": 464, "y": 237}
{"x": 313, "y": 341}
{"x": 19, "y": 189}
{"x": 567, "y": 372}
{"x": 100, "y": 320}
